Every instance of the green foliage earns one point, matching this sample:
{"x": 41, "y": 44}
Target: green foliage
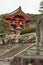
{"x": 41, "y": 7}
{"x": 34, "y": 17}
{"x": 3, "y": 26}
{"x": 4, "y": 21}
{"x": 28, "y": 30}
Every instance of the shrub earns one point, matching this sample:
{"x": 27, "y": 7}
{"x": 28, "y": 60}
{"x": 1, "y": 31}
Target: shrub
{"x": 28, "y": 30}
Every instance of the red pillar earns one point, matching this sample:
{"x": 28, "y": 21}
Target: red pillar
{"x": 10, "y": 25}
{"x": 24, "y": 24}
{"x": 17, "y": 26}
{"x": 17, "y": 23}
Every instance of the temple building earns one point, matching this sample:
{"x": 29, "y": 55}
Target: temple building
{"x": 17, "y": 18}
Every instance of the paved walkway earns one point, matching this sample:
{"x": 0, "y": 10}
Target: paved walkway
{"x": 14, "y": 51}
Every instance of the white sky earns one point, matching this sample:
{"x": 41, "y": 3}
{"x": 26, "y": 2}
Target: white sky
{"x": 28, "y": 6}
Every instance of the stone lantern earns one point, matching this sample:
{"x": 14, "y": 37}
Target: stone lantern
{"x": 18, "y": 31}
{"x": 39, "y": 34}
{"x": 12, "y": 31}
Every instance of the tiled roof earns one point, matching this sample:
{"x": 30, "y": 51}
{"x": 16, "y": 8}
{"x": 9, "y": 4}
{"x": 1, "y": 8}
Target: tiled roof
{"x": 14, "y": 11}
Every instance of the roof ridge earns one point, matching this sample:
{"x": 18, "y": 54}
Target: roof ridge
{"x": 19, "y": 8}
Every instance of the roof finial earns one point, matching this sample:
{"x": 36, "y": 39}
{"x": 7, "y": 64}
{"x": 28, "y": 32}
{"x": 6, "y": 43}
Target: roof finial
{"x": 19, "y": 8}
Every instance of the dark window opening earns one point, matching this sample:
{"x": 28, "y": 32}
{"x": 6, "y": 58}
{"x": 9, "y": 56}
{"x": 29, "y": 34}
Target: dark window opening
{"x": 14, "y": 26}
{"x": 27, "y": 21}
{"x": 13, "y": 22}
{"x": 20, "y": 20}
{"x": 8, "y": 18}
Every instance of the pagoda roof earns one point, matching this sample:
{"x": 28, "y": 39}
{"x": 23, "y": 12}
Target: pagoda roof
{"x": 10, "y": 15}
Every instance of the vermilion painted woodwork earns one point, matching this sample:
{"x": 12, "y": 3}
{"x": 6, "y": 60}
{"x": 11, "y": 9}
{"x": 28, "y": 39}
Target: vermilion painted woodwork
{"x": 18, "y": 21}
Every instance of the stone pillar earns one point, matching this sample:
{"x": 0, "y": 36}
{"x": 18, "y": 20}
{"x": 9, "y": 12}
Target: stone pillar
{"x": 41, "y": 30}
{"x": 39, "y": 33}
{"x": 37, "y": 37}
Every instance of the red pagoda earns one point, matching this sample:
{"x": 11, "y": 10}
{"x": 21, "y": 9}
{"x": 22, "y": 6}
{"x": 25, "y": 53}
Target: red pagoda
{"x": 17, "y": 18}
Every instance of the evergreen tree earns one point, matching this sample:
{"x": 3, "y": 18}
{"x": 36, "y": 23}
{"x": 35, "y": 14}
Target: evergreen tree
{"x": 41, "y": 7}
{"x": 4, "y": 25}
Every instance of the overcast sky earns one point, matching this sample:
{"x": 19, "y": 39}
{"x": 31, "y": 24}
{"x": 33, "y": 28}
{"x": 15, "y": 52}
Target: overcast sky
{"x": 28, "y": 6}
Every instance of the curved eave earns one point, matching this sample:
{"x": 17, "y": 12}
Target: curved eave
{"x": 19, "y": 12}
